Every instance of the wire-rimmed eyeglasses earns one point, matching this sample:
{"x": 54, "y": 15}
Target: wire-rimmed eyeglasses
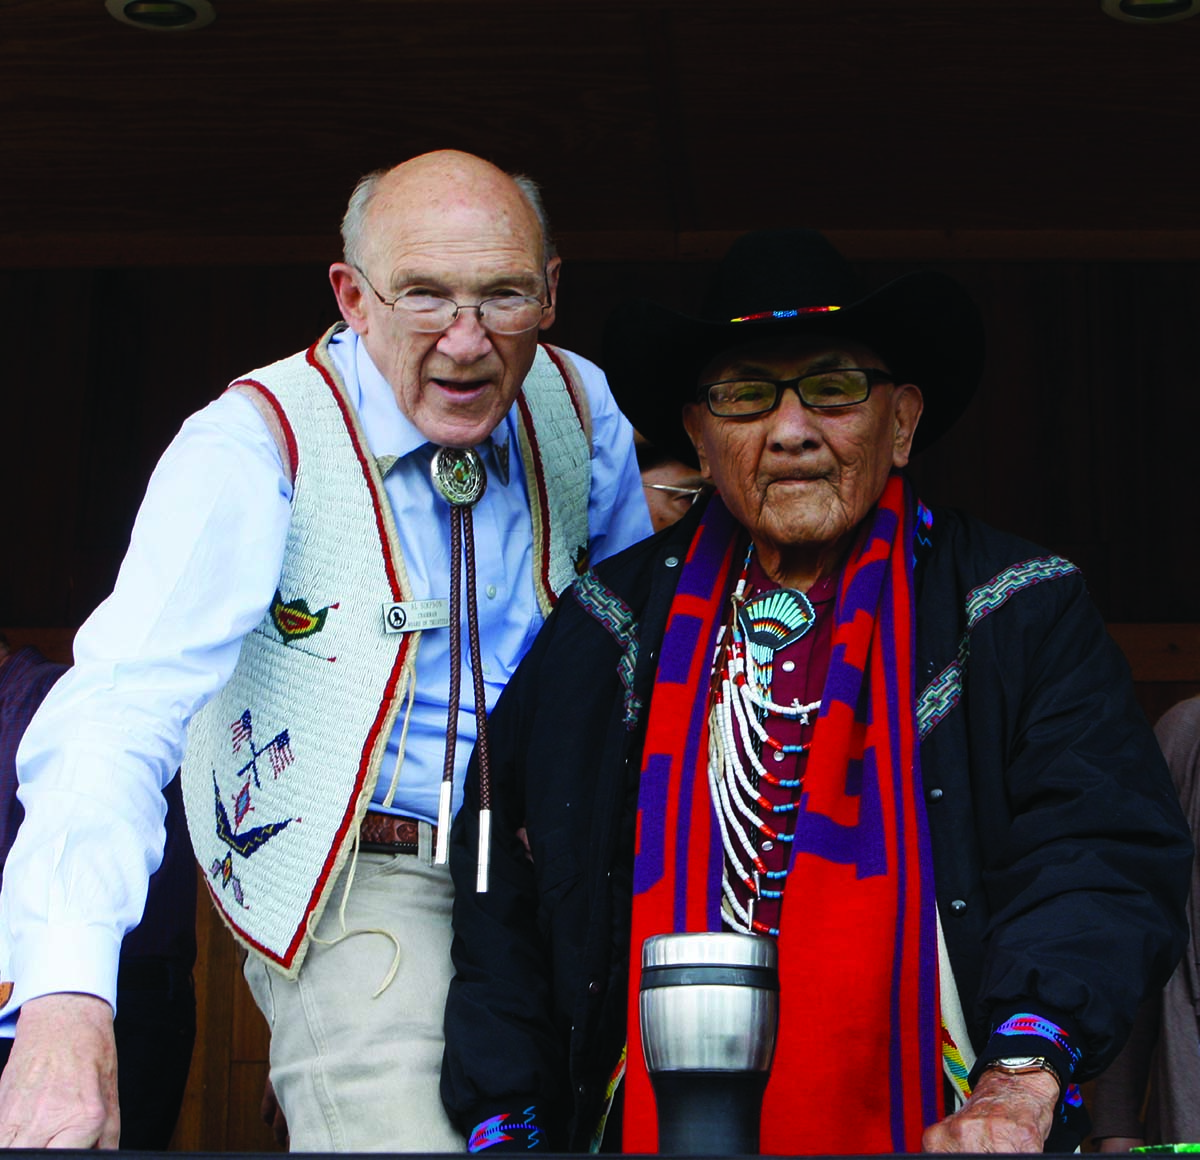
{"x": 433, "y": 313}
{"x": 819, "y": 390}
{"x": 675, "y": 491}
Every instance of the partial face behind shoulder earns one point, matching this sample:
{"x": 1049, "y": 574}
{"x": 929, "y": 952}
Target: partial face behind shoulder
{"x": 802, "y": 480}
{"x": 671, "y": 488}
{"x": 454, "y": 226}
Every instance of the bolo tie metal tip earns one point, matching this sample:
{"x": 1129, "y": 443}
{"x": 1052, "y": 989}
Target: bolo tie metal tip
{"x": 441, "y": 853}
{"x": 485, "y": 851}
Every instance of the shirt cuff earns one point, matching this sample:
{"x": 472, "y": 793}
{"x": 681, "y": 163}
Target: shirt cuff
{"x": 72, "y": 959}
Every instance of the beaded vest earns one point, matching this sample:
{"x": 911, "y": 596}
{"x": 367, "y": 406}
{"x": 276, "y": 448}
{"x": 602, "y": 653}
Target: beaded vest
{"x": 281, "y": 764}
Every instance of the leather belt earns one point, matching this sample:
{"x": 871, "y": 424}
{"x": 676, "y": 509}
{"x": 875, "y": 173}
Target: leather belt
{"x": 389, "y": 834}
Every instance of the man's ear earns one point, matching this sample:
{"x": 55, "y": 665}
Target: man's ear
{"x": 350, "y": 296}
{"x": 908, "y": 403}
{"x": 552, "y": 271}
{"x": 693, "y": 424}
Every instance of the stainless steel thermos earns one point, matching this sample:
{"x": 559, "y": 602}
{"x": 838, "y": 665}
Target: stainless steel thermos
{"x": 709, "y": 1010}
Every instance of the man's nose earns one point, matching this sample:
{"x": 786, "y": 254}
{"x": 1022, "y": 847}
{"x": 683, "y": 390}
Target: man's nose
{"x": 465, "y": 340}
{"x": 792, "y": 423}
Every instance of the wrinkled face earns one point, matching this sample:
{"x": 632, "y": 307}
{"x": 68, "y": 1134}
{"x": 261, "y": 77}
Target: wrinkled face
{"x": 801, "y": 480}
{"x": 466, "y": 234}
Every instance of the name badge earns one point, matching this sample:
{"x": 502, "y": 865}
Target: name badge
{"x": 416, "y": 615}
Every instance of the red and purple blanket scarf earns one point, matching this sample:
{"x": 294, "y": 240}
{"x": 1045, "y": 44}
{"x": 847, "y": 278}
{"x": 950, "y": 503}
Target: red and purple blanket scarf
{"x": 857, "y": 1067}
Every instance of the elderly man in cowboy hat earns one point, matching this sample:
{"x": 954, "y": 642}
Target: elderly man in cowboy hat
{"x": 896, "y": 741}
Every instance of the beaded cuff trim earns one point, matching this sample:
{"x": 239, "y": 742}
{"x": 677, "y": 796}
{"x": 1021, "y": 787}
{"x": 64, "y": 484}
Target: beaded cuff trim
{"x": 1043, "y": 1029}
{"x": 506, "y": 1128}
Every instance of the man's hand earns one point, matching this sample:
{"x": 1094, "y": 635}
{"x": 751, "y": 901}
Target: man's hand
{"x": 59, "y": 1089}
{"x": 1006, "y": 1113}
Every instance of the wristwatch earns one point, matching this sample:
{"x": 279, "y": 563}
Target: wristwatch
{"x": 1024, "y": 1065}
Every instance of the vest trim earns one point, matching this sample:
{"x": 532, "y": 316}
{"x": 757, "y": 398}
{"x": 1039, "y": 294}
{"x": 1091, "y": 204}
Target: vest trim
{"x": 556, "y": 444}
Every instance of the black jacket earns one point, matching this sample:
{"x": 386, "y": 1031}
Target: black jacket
{"x": 1061, "y": 858}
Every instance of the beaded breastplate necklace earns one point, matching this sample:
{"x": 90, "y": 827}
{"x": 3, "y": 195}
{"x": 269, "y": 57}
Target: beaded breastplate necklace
{"x": 753, "y": 804}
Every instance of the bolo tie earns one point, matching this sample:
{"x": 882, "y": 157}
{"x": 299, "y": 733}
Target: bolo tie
{"x": 459, "y": 476}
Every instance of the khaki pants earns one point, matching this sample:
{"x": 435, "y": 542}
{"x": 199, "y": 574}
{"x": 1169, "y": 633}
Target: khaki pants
{"x": 354, "y": 1073}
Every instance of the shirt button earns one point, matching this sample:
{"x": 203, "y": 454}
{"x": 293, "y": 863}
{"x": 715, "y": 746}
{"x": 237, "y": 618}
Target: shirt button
{"x": 779, "y": 755}
{"x": 593, "y": 988}
{"x": 491, "y": 591}
{"x": 958, "y": 906}
{"x": 672, "y": 561}
{"x": 789, "y": 666}
{"x": 935, "y": 795}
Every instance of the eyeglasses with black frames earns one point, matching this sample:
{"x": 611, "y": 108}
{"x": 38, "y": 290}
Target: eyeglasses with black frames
{"x": 432, "y": 313}
{"x": 818, "y": 390}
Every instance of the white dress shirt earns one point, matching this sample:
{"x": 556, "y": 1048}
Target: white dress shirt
{"x": 203, "y": 564}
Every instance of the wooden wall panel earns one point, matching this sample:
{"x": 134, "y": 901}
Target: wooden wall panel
{"x": 956, "y": 116}
{"x": 41, "y": 431}
{"x": 220, "y": 1110}
{"x": 96, "y": 390}
{"x": 662, "y": 116}
{"x": 147, "y": 249}
{"x": 1164, "y": 660}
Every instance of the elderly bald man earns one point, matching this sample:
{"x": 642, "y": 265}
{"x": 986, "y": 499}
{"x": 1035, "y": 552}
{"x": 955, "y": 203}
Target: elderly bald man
{"x": 818, "y": 712}
{"x": 292, "y": 600}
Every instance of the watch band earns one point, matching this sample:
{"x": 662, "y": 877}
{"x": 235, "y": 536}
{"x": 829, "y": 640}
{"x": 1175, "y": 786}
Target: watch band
{"x": 1025, "y": 1065}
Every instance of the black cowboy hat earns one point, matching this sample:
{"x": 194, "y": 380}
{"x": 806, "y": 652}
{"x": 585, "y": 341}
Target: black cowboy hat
{"x": 779, "y": 283}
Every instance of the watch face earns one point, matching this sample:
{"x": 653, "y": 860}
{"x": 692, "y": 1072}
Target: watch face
{"x": 1024, "y": 1065}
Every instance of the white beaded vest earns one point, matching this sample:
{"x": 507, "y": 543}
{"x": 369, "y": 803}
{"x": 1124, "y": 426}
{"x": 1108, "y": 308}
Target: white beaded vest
{"x": 281, "y": 764}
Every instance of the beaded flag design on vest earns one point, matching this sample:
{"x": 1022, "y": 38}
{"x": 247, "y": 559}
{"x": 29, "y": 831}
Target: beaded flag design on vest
{"x": 277, "y": 755}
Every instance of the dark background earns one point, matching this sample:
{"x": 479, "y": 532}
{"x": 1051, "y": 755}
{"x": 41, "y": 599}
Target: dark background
{"x": 169, "y": 202}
